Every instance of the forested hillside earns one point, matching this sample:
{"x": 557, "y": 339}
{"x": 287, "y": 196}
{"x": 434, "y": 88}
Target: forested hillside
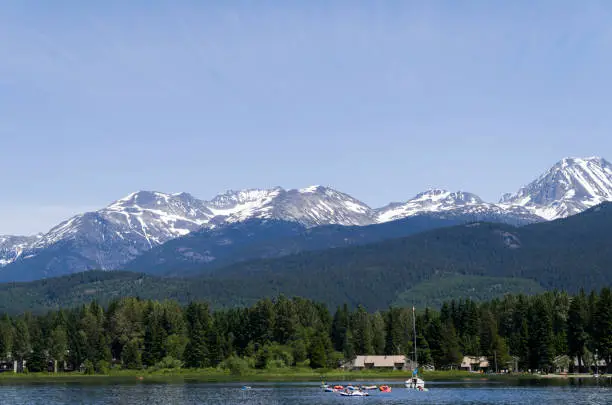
{"x": 478, "y": 260}
{"x": 569, "y": 254}
{"x": 208, "y": 249}
{"x": 279, "y": 333}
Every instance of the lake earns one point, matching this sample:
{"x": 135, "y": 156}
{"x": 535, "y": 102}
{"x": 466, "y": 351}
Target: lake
{"x": 147, "y": 393}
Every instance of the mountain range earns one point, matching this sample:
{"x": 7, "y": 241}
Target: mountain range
{"x": 133, "y": 232}
{"x": 477, "y": 260}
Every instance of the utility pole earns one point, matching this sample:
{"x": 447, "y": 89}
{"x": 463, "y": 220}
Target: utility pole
{"x": 416, "y": 361}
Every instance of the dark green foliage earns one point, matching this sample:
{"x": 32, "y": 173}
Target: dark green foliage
{"x": 253, "y": 239}
{"x": 131, "y": 354}
{"x": 340, "y": 326}
{"x": 603, "y": 325}
{"x": 37, "y": 359}
{"x": 199, "y": 326}
{"x": 577, "y": 325}
{"x": 319, "y": 351}
{"x": 284, "y": 332}
{"x": 435, "y": 292}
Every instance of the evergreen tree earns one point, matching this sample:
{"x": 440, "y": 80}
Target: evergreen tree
{"x": 394, "y": 336}
{"x": 577, "y": 325}
{"x": 603, "y": 325}
{"x": 261, "y": 322}
{"x": 58, "y": 344}
{"x": 6, "y": 337}
{"x": 21, "y": 341}
{"x": 132, "y": 355}
{"x": 320, "y": 350}
{"x": 37, "y": 359}
{"x": 198, "y": 327}
{"x": 286, "y": 320}
{"x": 378, "y": 333}
{"x": 340, "y": 326}
{"x": 541, "y": 336}
{"x": 362, "y": 331}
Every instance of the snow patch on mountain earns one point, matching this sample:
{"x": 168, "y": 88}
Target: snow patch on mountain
{"x": 311, "y": 206}
{"x": 12, "y": 247}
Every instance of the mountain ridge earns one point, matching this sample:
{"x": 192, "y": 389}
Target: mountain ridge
{"x": 127, "y": 228}
{"x": 569, "y": 254}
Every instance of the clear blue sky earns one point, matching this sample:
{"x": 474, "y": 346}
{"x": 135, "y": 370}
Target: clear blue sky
{"x": 377, "y": 99}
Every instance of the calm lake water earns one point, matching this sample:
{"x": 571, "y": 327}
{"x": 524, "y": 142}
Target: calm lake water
{"x": 480, "y": 392}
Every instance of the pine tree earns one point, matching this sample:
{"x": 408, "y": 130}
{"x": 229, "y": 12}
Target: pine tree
{"x": 37, "y": 359}
{"x": 339, "y": 329}
{"x": 577, "y": 324}
{"x": 58, "y": 343}
{"x": 285, "y": 321}
{"x": 319, "y": 350}
{"x": 132, "y": 356}
{"x": 198, "y": 329}
{"x": 378, "y": 333}
{"x": 541, "y": 336}
{"x": 603, "y": 325}
{"x": 21, "y": 341}
{"x": 6, "y": 337}
{"x": 362, "y": 331}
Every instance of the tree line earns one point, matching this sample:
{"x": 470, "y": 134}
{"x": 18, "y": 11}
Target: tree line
{"x": 131, "y": 333}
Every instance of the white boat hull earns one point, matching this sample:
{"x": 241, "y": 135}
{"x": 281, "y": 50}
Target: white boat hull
{"x": 415, "y": 384}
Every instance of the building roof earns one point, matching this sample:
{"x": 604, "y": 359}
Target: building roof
{"x": 379, "y": 361}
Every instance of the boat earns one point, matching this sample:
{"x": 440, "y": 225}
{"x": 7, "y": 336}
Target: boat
{"x": 384, "y": 388}
{"x": 245, "y": 387}
{"x": 338, "y": 387}
{"x": 369, "y": 387}
{"x": 354, "y": 393}
{"x": 330, "y": 389}
{"x": 415, "y": 382}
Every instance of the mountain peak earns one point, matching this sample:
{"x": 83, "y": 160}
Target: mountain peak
{"x": 437, "y": 195}
{"x": 570, "y": 186}
{"x": 579, "y": 160}
{"x": 311, "y": 189}
{"x": 435, "y": 200}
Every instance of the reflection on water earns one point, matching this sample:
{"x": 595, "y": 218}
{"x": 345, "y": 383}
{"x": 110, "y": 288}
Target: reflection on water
{"x": 458, "y": 392}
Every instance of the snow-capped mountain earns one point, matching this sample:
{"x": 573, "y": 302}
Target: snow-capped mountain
{"x": 443, "y": 202}
{"x": 107, "y": 238}
{"x": 117, "y": 234}
{"x": 571, "y": 186}
{"x": 311, "y": 206}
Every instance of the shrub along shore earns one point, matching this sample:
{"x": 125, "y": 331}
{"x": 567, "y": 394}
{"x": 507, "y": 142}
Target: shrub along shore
{"x": 285, "y": 375}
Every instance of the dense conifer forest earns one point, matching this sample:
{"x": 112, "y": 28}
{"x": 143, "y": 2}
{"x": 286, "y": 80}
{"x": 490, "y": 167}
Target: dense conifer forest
{"x": 131, "y": 333}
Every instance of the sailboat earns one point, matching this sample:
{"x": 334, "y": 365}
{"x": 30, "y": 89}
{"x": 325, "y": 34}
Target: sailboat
{"x": 415, "y": 382}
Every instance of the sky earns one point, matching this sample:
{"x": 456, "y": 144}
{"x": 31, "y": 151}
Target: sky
{"x": 378, "y": 99}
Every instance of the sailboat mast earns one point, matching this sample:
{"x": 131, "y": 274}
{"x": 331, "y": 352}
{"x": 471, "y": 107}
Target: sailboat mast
{"x": 414, "y": 335}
